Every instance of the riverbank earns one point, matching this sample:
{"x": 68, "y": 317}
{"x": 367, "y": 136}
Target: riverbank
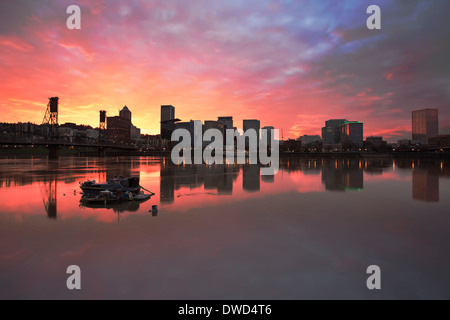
{"x": 67, "y": 152}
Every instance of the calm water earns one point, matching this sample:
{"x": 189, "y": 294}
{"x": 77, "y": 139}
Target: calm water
{"x": 224, "y": 232}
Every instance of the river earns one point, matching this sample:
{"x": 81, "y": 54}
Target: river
{"x": 226, "y": 232}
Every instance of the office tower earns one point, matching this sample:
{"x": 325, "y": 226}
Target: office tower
{"x": 425, "y": 124}
{"x": 270, "y": 133}
{"x": 167, "y": 121}
{"x": 125, "y": 113}
{"x": 209, "y": 124}
{"x": 255, "y": 125}
{"x": 190, "y": 126}
{"x": 352, "y": 132}
{"x": 227, "y": 122}
{"x": 331, "y": 133}
{"x": 120, "y": 127}
{"x": 227, "y": 125}
{"x": 251, "y": 124}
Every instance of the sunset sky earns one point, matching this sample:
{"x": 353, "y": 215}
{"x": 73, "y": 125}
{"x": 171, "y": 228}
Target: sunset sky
{"x": 291, "y": 64}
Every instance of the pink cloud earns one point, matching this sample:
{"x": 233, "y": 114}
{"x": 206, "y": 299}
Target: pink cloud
{"x": 388, "y": 76}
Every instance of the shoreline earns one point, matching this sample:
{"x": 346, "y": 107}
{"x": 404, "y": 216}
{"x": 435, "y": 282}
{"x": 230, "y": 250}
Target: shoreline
{"x": 42, "y": 152}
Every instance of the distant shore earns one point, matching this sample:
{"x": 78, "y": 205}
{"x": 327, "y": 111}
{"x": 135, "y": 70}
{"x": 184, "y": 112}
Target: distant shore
{"x": 66, "y": 152}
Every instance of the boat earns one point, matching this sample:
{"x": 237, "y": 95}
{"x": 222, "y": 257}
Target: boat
{"x": 107, "y": 197}
{"x": 92, "y": 188}
{"x": 142, "y": 196}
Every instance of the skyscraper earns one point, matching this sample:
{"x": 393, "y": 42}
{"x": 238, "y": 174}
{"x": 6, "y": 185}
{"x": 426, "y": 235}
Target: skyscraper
{"x": 252, "y": 124}
{"x": 331, "y": 133}
{"x": 210, "y": 124}
{"x": 227, "y": 125}
{"x": 425, "y": 124}
{"x": 119, "y": 127}
{"x": 167, "y": 121}
{"x": 352, "y": 132}
{"x": 270, "y": 133}
{"x": 227, "y": 122}
{"x": 125, "y": 113}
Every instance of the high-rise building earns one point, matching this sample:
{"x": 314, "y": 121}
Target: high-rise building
{"x": 227, "y": 125}
{"x": 352, "y": 132}
{"x": 252, "y": 124}
{"x": 209, "y": 124}
{"x": 331, "y": 133}
{"x": 227, "y": 122}
{"x": 167, "y": 121}
{"x": 425, "y": 125}
{"x": 119, "y": 127}
{"x": 190, "y": 126}
{"x": 125, "y": 113}
{"x": 269, "y": 136}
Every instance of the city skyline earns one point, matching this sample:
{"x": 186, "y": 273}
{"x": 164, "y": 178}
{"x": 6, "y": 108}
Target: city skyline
{"x": 292, "y": 65}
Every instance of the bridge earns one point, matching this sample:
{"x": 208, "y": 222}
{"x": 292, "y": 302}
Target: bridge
{"x": 56, "y": 143}
{"x": 50, "y": 138}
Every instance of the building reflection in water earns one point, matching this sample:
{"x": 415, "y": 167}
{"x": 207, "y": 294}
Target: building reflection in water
{"x": 218, "y": 178}
{"x": 167, "y": 182}
{"x": 251, "y": 178}
{"x": 425, "y": 185}
{"x": 343, "y": 174}
{"x": 268, "y": 178}
{"x": 337, "y": 174}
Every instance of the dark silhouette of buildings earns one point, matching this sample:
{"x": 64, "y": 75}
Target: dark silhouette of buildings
{"x": 352, "y": 133}
{"x": 227, "y": 122}
{"x": 343, "y": 132}
{"x": 167, "y": 121}
{"x": 331, "y": 133}
{"x": 251, "y": 124}
{"x": 441, "y": 141}
{"x": 119, "y": 127}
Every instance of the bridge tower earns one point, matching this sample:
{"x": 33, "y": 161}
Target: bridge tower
{"x": 102, "y": 120}
{"x": 51, "y": 119}
{"x": 102, "y": 133}
{"x": 51, "y": 114}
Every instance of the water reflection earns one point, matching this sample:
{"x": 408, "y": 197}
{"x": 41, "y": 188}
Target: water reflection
{"x": 343, "y": 175}
{"x": 48, "y": 189}
{"x": 425, "y": 184}
{"x": 225, "y": 232}
{"x": 218, "y": 178}
{"x": 251, "y": 178}
{"x": 58, "y": 180}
